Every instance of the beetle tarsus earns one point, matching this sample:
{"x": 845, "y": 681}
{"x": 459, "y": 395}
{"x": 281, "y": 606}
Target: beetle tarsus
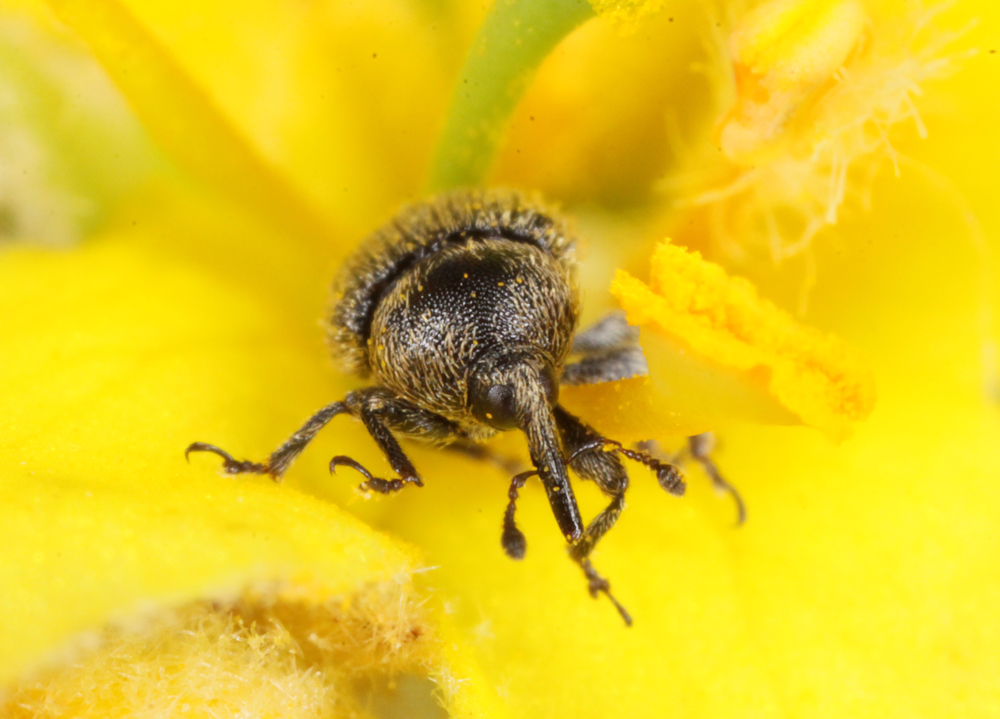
{"x": 372, "y": 483}
{"x": 229, "y": 464}
{"x": 700, "y": 446}
{"x": 597, "y": 584}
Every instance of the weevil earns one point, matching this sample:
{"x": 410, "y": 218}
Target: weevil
{"x": 463, "y": 311}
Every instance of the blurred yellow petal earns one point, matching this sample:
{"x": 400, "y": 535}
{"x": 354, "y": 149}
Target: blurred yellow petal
{"x": 626, "y": 13}
{"x": 598, "y": 122}
{"x": 183, "y": 119}
{"x": 344, "y": 100}
{"x": 70, "y": 150}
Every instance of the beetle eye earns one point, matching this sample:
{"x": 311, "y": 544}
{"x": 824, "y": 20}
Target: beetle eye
{"x": 494, "y": 405}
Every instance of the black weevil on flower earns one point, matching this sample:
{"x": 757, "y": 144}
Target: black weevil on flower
{"x": 463, "y": 310}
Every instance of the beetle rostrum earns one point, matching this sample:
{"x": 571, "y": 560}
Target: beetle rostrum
{"x": 463, "y": 313}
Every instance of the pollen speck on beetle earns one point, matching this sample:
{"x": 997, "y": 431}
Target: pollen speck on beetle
{"x": 424, "y": 284}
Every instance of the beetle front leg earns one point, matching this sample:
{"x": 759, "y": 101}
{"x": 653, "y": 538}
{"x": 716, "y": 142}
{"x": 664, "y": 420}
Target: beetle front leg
{"x": 586, "y": 456}
{"x": 377, "y": 484}
{"x": 588, "y": 459}
{"x": 283, "y": 456}
{"x": 376, "y": 408}
{"x": 383, "y": 413}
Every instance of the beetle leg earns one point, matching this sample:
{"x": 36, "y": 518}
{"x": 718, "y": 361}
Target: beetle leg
{"x": 378, "y": 410}
{"x": 587, "y": 458}
{"x": 700, "y": 446}
{"x": 584, "y": 447}
{"x": 608, "y": 366}
{"x": 376, "y": 484}
{"x": 607, "y": 351}
{"x": 514, "y": 542}
{"x": 283, "y": 456}
{"x": 598, "y": 584}
{"x": 612, "y": 330}
{"x": 383, "y": 413}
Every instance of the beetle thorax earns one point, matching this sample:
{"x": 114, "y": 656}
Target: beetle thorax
{"x": 465, "y": 306}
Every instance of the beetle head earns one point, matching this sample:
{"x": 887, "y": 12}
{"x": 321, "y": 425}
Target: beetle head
{"x": 506, "y": 391}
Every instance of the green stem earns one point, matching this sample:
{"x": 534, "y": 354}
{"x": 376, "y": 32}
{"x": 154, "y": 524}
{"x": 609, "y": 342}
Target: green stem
{"x": 516, "y": 36}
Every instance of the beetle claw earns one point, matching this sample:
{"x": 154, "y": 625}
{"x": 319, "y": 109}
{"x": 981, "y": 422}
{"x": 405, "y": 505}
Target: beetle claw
{"x": 372, "y": 483}
{"x": 229, "y": 464}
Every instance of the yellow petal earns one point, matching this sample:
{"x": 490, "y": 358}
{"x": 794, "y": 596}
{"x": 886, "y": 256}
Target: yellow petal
{"x": 626, "y": 13}
{"x": 71, "y": 149}
{"x": 179, "y": 115}
{"x": 597, "y": 123}
{"x": 110, "y": 370}
{"x": 343, "y": 104}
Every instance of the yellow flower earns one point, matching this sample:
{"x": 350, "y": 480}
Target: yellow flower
{"x": 864, "y": 582}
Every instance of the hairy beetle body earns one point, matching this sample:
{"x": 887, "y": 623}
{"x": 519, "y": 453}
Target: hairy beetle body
{"x": 460, "y": 309}
{"x": 420, "y": 232}
{"x": 463, "y": 312}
